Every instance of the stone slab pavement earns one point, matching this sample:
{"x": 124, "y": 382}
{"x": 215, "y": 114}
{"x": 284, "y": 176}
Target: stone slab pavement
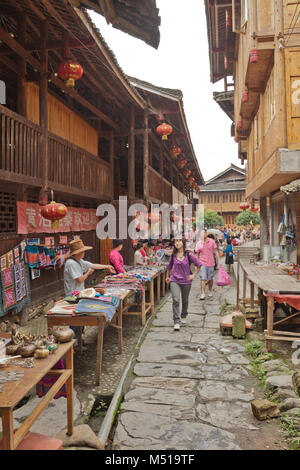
{"x": 192, "y": 388}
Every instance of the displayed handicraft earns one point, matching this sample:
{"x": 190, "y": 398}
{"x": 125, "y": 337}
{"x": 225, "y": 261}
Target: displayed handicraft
{"x": 26, "y": 345}
{"x": 63, "y": 334}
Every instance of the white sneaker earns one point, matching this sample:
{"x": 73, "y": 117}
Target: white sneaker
{"x": 210, "y": 294}
{"x": 202, "y": 297}
{"x": 176, "y": 327}
{"x": 183, "y": 321}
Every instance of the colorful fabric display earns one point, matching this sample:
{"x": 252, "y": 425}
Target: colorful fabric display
{"x": 132, "y": 284}
{"x": 95, "y": 306}
{"x": 44, "y": 385}
{"x": 32, "y": 256}
{"x": 15, "y": 287}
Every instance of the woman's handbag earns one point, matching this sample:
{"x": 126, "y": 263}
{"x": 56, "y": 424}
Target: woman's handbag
{"x": 223, "y": 278}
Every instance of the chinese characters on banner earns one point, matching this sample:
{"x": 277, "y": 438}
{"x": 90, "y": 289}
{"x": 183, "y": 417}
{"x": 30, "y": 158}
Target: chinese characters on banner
{"x": 76, "y": 220}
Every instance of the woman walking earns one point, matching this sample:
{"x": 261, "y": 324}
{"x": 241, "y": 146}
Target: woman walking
{"x": 180, "y": 277}
{"x": 229, "y": 255}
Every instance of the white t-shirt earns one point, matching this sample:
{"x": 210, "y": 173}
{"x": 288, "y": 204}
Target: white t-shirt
{"x": 73, "y": 270}
{"x": 138, "y": 258}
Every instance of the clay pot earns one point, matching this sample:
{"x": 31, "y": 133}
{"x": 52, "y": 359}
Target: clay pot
{"x": 27, "y": 350}
{"x": 63, "y": 335}
{"x": 41, "y": 352}
{"x": 13, "y": 349}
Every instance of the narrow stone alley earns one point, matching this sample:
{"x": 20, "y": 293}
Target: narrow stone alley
{"x": 192, "y": 389}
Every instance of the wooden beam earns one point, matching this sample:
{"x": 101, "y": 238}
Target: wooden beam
{"x": 21, "y": 98}
{"x": 111, "y": 161}
{"x": 146, "y": 155}
{"x": 9, "y": 63}
{"x": 43, "y": 99}
{"x": 108, "y": 10}
{"x": 18, "y": 49}
{"x": 131, "y": 156}
{"x": 83, "y": 101}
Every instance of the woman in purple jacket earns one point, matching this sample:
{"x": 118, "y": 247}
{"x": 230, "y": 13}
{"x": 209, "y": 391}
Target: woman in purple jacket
{"x": 180, "y": 277}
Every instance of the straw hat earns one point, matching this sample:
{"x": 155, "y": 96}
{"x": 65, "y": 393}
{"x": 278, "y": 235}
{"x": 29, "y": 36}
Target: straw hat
{"x": 77, "y": 246}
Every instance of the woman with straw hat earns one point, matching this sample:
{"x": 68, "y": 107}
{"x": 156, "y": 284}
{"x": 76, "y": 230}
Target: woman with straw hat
{"x": 77, "y": 270}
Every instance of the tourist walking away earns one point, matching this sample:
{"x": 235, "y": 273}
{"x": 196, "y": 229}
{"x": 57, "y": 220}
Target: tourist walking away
{"x": 206, "y": 247}
{"x": 229, "y": 255}
{"x": 115, "y": 257}
{"x": 180, "y": 277}
{"x": 77, "y": 270}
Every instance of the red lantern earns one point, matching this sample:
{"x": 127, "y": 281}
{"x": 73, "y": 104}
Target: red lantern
{"x": 254, "y": 56}
{"x": 187, "y": 173}
{"x": 240, "y": 124}
{"x": 244, "y": 206}
{"x": 175, "y": 151}
{"x": 164, "y": 130}
{"x": 245, "y": 97}
{"x": 70, "y": 71}
{"x": 236, "y": 139}
{"x": 181, "y": 163}
{"x": 54, "y": 212}
{"x": 191, "y": 180}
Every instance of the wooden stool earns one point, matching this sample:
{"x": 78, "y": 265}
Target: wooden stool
{"x": 34, "y": 441}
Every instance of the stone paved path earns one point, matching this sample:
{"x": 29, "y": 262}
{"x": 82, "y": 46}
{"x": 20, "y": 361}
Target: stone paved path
{"x": 192, "y": 388}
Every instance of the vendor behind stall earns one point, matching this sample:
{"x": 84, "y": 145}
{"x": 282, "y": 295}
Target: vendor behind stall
{"x": 77, "y": 270}
{"x": 115, "y": 257}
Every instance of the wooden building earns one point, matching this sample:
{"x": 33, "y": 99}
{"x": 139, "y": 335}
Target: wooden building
{"x": 254, "y": 46}
{"x": 224, "y": 193}
{"x": 82, "y": 142}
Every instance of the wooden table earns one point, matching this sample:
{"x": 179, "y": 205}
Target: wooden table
{"x": 147, "y": 306}
{"x": 14, "y": 392}
{"x": 271, "y": 280}
{"x": 99, "y": 320}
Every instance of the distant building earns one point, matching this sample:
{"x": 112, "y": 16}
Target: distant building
{"x": 224, "y": 193}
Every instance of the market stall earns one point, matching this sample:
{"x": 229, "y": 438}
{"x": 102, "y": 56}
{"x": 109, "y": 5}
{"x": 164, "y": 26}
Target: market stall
{"x": 17, "y": 379}
{"x": 275, "y": 282}
{"x": 92, "y": 311}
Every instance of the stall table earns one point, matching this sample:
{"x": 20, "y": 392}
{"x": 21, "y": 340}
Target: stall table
{"x": 273, "y": 282}
{"x": 148, "y": 306}
{"x": 14, "y": 391}
{"x": 93, "y": 319}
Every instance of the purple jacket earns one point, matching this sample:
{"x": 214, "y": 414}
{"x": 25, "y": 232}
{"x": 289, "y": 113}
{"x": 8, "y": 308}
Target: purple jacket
{"x": 180, "y": 270}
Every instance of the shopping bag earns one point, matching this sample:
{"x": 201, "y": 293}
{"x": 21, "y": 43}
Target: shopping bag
{"x": 223, "y": 278}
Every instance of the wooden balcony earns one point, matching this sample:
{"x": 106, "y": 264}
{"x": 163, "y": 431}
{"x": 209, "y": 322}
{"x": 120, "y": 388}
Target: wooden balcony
{"x": 71, "y": 169}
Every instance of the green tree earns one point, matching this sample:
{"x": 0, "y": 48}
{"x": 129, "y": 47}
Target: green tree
{"x": 245, "y": 217}
{"x": 212, "y": 218}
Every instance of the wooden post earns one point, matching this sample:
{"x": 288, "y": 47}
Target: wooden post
{"x": 111, "y": 161}
{"x": 244, "y": 287}
{"x": 270, "y": 320}
{"x": 237, "y": 307}
{"x": 21, "y": 98}
{"x": 131, "y": 157}
{"x": 146, "y": 155}
{"x": 263, "y": 225}
{"x": 43, "y": 95}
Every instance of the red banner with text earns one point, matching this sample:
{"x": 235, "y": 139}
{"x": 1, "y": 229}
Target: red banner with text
{"x": 76, "y": 220}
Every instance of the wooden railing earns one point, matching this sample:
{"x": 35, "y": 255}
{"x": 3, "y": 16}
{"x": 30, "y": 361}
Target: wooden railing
{"x": 20, "y": 145}
{"x": 70, "y": 168}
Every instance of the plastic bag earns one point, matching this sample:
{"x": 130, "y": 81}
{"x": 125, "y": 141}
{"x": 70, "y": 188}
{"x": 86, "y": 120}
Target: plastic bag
{"x": 223, "y": 278}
